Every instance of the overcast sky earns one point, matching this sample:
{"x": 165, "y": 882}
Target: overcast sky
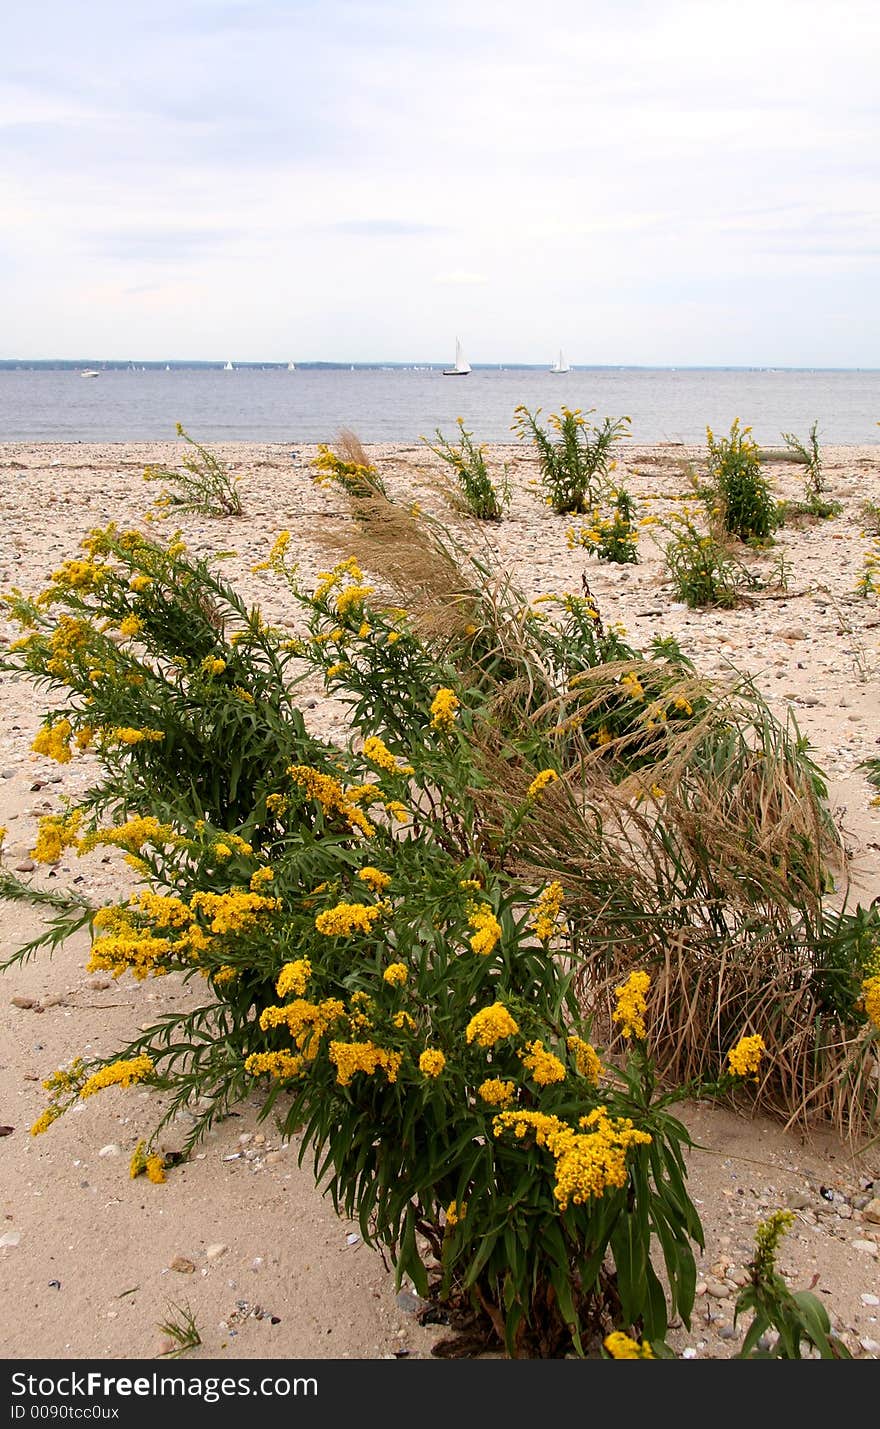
{"x": 637, "y": 181}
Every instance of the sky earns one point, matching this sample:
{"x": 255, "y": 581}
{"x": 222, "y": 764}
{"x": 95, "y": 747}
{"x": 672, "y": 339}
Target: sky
{"x": 650, "y": 182}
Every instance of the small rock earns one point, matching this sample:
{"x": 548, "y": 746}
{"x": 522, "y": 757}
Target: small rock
{"x": 27, "y": 865}
{"x": 182, "y": 1265}
{"x": 871, "y": 1347}
{"x": 352, "y": 1239}
{"x": 8, "y": 773}
{"x": 872, "y": 1211}
{"x": 700, "y": 1288}
{"x": 728, "y": 1332}
{"x": 55, "y": 999}
{"x": 111, "y": 1149}
{"x": 409, "y": 1303}
{"x": 99, "y": 983}
{"x": 273, "y": 1158}
{"x": 867, "y": 1247}
{"x": 717, "y": 1290}
{"x": 215, "y": 1251}
{"x": 23, "y": 1002}
{"x": 9, "y": 1238}
{"x": 870, "y": 1299}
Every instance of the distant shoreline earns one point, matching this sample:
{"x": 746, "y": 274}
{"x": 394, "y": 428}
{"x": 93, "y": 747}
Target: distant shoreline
{"x": 12, "y": 364}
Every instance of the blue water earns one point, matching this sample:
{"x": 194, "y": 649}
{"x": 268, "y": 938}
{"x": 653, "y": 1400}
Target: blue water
{"x": 400, "y": 405}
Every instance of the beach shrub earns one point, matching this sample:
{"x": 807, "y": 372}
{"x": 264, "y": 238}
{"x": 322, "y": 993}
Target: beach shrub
{"x": 702, "y": 569}
{"x": 575, "y": 464}
{"x": 474, "y": 492}
{"x": 737, "y": 488}
{"x": 204, "y": 485}
{"x": 611, "y": 537}
{"x": 868, "y": 582}
{"x": 535, "y": 842}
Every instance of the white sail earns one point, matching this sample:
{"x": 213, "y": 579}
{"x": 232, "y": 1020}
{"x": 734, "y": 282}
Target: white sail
{"x": 462, "y": 366}
{"x": 561, "y": 365}
{"x": 291, "y": 367}
{"x": 229, "y": 367}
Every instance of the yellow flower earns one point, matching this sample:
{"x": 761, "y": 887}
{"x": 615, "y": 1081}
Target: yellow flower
{"x": 293, "y": 978}
{"x": 455, "y": 1213}
{"x": 495, "y": 1091}
{"x": 431, "y": 1062}
{"x": 544, "y": 1067}
{"x": 122, "y": 1073}
{"x": 546, "y": 776}
{"x": 55, "y": 834}
{"x": 329, "y": 793}
{"x": 45, "y": 1120}
{"x": 213, "y": 665}
{"x": 130, "y": 626}
{"x": 124, "y": 734}
{"x": 379, "y": 754}
{"x": 487, "y": 929}
{"x": 374, "y": 878}
{"x": 274, "y": 1064}
{"x": 347, "y": 918}
{"x": 351, "y": 1057}
{"x": 621, "y": 1347}
{"x": 586, "y": 1059}
{"x": 490, "y": 1025}
{"x": 588, "y": 1162}
{"x": 745, "y": 1058}
{"x": 632, "y": 1006}
{"x": 870, "y": 999}
{"x": 546, "y": 917}
{"x": 54, "y": 741}
{"x": 444, "y": 710}
{"x": 395, "y": 974}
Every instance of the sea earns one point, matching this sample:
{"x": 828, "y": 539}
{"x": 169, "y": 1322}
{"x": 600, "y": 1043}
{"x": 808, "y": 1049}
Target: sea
{"x": 268, "y": 403}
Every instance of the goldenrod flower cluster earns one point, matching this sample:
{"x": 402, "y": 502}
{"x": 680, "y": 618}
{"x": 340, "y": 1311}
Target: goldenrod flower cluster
{"x": 745, "y": 1058}
{"x": 54, "y": 741}
{"x": 260, "y": 877}
{"x": 330, "y": 794}
{"x": 130, "y": 627}
{"x": 767, "y": 1237}
{"x": 305, "y": 1021}
{"x": 233, "y": 912}
{"x": 586, "y": 1059}
{"x": 151, "y": 1163}
{"x": 55, "y": 833}
{"x": 122, "y": 1073}
{"x": 588, "y": 1162}
{"x": 487, "y": 929}
{"x": 137, "y": 953}
{"x": 45, "y": 1120}
{"x": 351, "y": 1057}
{"x": 540, "y": 781}
{"x": 544, "y": 1067}
{"x": 431, "y": 1062}
{"x": 275, "y": 1064}
{"x": 293, "y": 978}
{"x": 495, "y": 1091}
{"x": 633, "y": 685}
{"x": 444, "y": 710}
{"x": 348, "y": 918}
{"x": 870, "y": 998}
{"x": 374, "y": 878}
{"x": 455, "y": 1213}
{"x": 395, "y": 974}
{"x": 132, "y": 835}
{"x": 546, "y": 918}
{"x": 329, "y": 579}
{"x": 379, "y": 754}
{"x": 212, "y": 665}
{"x": 124, "y": 734}
{"x": 491, "y": 1025}
{"x": 632, "y": 1005}
{"x": 621, "y": 1347}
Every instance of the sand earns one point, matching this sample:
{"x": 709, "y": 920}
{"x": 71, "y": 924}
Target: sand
{"x": 90, "y": 1261}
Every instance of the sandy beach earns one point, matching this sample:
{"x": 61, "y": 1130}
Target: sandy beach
{"x": 90, "y": 1259}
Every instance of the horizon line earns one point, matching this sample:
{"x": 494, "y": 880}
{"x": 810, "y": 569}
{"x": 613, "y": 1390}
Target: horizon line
{"x": 374, "y": 364}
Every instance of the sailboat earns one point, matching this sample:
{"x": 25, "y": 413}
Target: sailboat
{"x": 462, "y": 366}
{"x": 229, "y": 367}
{"x": 291, "y": 367}
{"x": 561, "y": 365}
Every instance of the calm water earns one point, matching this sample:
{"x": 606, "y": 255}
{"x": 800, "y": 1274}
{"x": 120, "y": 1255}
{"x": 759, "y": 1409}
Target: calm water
{"x": 665, "y": 404}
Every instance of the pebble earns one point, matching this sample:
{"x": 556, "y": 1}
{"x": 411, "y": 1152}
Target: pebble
{"x": 867, "y": 1247}
{"x": 871, "y": 1347}
{"x": 182, "y": 1265}
{"x": 717, "y": 1290}
{"x": 24, "y": 1002}
{"x": 99, "y": 983}
{"x": 27, "y": 865}
{"x": 215, "y": 1251}
{"x": 872, "y": 1211}
{"x": 111, "y": 1149}
{"x": 9, "y": 1238}
{"x": 870, "y": 1299}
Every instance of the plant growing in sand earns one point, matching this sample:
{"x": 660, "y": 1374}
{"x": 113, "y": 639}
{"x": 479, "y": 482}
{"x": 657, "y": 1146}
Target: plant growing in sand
{"x": 737, "y": 488}
{"x": 204, "y": 485}
{"x": 613, "y": 537}
{"x": 798, "y": 1317}
{"x": 701, "y": 567}
{"x": 575, "y": 464}
{"x": 534, "y": 840}
{"x": 348, "y": 466}
{"x": 474, "y": 491}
